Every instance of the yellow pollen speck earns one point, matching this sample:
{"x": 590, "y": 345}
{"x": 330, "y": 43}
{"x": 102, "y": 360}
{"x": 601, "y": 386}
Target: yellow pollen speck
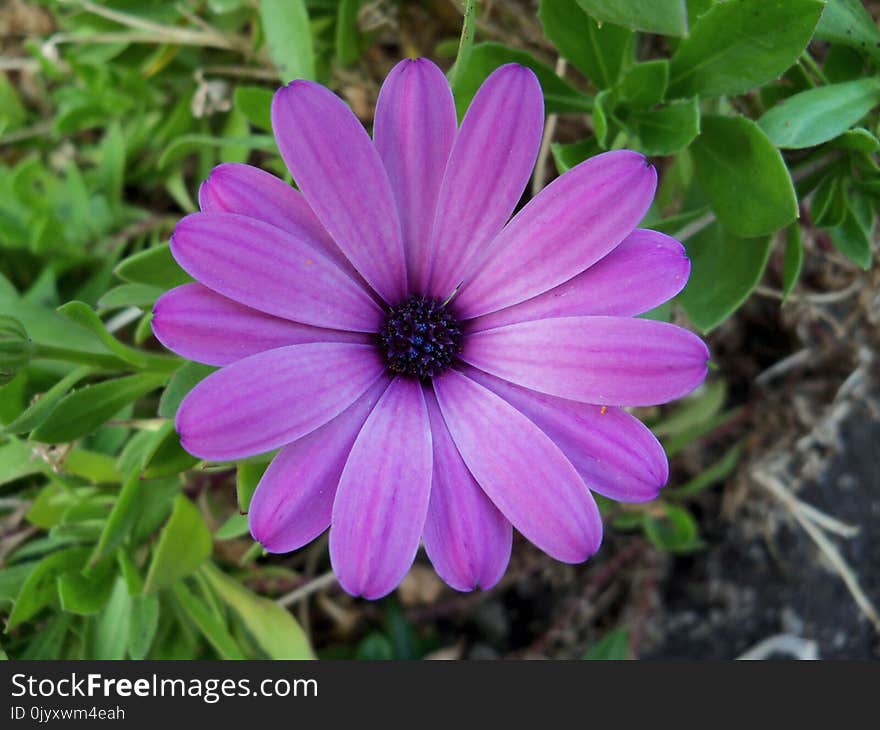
{"x": 308, "y": 262}
{"x": 603, "y": 410}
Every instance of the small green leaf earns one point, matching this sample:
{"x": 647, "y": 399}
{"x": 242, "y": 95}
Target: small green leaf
{"x": 853, "y": 239}
{"x": 675, "y": 532}
{"x": 255, "y": 103}
{"x": 828, "y": 204}
{"x": 143, "y": 622}
{"x": 182, "y": 382}
{"x": 736, "y": 46}
{"x": 744, "y": 176}
{"x": 165, "y": 456}
{"x": 559, "y": 96}
{"x": 288, "y": 38}
{"x": 40, "y": 409}
{"x": 85, "y": 409}
{"x": 86, "y": 594}
{"x": 111, "y": 632}
{"x": 601, "y": 112}
{"x": 273, "y": 628}
{"x": 664, "y": 17}
{"x": 614, "y": 646}
{"x": 347, "y": 35}
{"x": 667, "y": 130}
{"x": 187, "y": 144}
{"x": 155, "y": 266}
{"x": 818, "y": 115}
{"x": 792, "y": 261}
{"x": 848, "y": 23}
{"x": 599, "y": 52}
{"x": 184, "y": 544}
{"x": 567, "y": 156}
{"x": 247, "y": 476}
{"x": 706, "y": 478}
{"x": 40, "y": 589}
{"x": 698, "y": 408}
{"x": 212, "y": 626}
{"x": 645, "y": 83}
{"x": 130, "y": 295}
{"x": 724, "y": 270}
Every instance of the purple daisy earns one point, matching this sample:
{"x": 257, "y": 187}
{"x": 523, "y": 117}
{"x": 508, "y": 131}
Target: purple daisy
{"x": 430, "y": 370}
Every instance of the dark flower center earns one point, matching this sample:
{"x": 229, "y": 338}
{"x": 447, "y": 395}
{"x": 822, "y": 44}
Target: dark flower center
{"x": 420, "y": 338}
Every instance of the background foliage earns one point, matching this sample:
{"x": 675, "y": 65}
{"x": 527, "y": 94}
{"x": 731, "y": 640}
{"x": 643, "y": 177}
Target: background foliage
{"x": 114, "y": 542}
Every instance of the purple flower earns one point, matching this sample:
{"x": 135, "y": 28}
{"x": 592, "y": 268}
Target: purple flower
{"x": 430, "y": 371}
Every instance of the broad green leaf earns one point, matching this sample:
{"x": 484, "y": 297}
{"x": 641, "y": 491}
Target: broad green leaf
{"x": 182, "y": 382}
{"x": 667, "y": 130}
{"x": 724, "y": 270}
{"x": 212, "y": 627}
{"x": 288, "y": 38}
{"x": 665, "y": 17}
{"x": 40, "y": 409}
{"x": 143, "y": 622}
{"x": 165, "y": 456}
{"x": 184, "y": 544}
{"x": 85, "y": 409}
{"x": 738, "y": 45}
{"x": 818, "y": 115}
{"x": 111, "y": 632}
{"x": 645, "y": 83}
{"x": 601, "y": 53}
{"x": 273, "y": 628}
{"x": 676, "y": 531}
{"x": 611, "y": 647}
{"x": 130, "y": 295}
{"x": 743, "y": 176}
{"x": 155, "y": 266}
{"x": 40, "y": 589}
{"x": 255, "y": 103}
{"x": 559, "y": 96}
{"x": 793, "y": 260}
{"x": 848, "y": 22}
{"x": 236, "y": 525}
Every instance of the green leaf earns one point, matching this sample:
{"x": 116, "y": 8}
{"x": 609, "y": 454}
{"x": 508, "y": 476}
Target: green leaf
{"x": 112, "y": 625}
{"x": 213, "y": 628}
{"x": 614, "y": 646}
{"x": 848, "y": 22}
{"x": 601, "y": 111}
{"x": 828, "y": 204}
{"x": 738, "y": 45}
{"x": 288, "y": 38}
{"x": 465, "y": 43}
{"x": 853, "y": 239}
{"x": 818, "y": 115}
{"x": 130, "y": 295}
{"x": 724, "y": 270}
{"x": 247, "y": 476}
{"x": 599, "y": 52}
{"x": 112, "y": 164}
{"x": 86, "y": 594}
{"x": 83, "y": 315}
{"x": 667, "y": 130}
{"x": 182, "y": 382}
{"x": 559, "y": 96}
{"x": 16, "y": 461}
{"x": 675, "y": 532}
{"x": 744, "y": 176}
{"x": 694, "y": 410}
{"x": 155, "y": 266}
{"x": 40, "y": 409}
{"x": 184, "y": 544}
{"x": 85, "y": 409}
{"x": 347, "y": 36}
{"x": 792, "y": 261}
{"x": 187, "y": 144}
{"x": 645, "y": 83}
{"x": 143, "y": 622}
{"x": 165, "y": 456}
{"x": 567, "y": 156}
{"x": 255, "y": 103}
{"x": 273, "y": 628}
{"x": 665, "y": 17}
{"x": 235, "y": 526}
{"x": 40, "y": 589}
{"x": 706, "y": 478}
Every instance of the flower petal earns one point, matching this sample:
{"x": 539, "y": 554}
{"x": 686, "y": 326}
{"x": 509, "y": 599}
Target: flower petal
{"x": 571, "y": 224}
{"x": 247, "y": 190}
{"x": 414, "y": 129}
{"x": 383, "y": 494}
{"x": 204, "y": 326}
{"x": 645, "y": 270}
{"x": 335, "y": 164}
{"x": 490, "y": 164}
{"x": 294, "y": 499}
{"x": 268, "y": 269}
{"x": 615, "y": 453}
{"x": 270, "y": 399}
{"x": 467, "y": 539}
{"x": 604, "y": 360}
{"x": 521, "y": 470}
